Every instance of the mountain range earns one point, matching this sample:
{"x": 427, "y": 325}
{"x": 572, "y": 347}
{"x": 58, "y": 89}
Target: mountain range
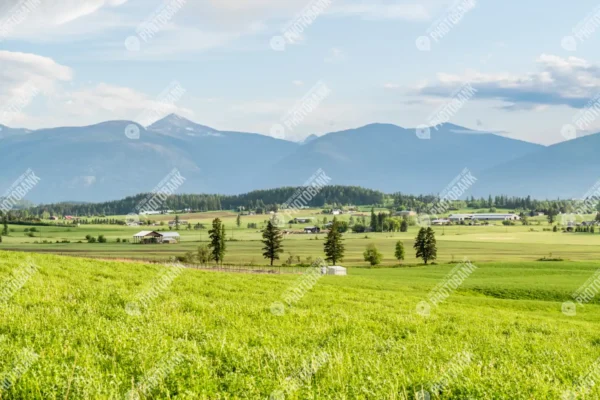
{"x": 101, "y": 162}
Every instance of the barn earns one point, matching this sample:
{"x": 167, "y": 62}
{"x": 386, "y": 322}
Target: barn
{"x": 146, "y": 237}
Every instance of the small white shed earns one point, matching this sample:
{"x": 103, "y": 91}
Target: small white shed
{"x": 336, "y": 270}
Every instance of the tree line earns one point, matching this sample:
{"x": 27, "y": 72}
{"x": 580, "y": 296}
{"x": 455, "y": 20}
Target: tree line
{"x": 264, "y": 201}
{"x": 425, "y": 245}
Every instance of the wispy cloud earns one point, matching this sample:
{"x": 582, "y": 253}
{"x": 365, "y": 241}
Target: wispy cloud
{"x": 559, "y": 81}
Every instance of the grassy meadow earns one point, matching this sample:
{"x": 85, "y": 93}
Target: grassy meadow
{"x": 92, "y": 327}
{"x": 208, "y": 335}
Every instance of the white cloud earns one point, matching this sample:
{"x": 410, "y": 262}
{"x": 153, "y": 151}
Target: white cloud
{"x": 559, "y": 81}
{"x": 111, "y": 102}
{"x": 50, "y": 19}
{"x": 23, "y": 78}
{"x": 28, "y": 77}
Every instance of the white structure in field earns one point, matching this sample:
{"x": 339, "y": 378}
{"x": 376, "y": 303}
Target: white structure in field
{"x": 146, "y": 237}
{"x": 484, "y": 217}
{"x": 336, "y": 270}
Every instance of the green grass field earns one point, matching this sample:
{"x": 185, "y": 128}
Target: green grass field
{"x": 210, "y": 335}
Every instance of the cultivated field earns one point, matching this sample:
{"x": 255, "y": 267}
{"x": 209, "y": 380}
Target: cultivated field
{"x": 479, "y": 243}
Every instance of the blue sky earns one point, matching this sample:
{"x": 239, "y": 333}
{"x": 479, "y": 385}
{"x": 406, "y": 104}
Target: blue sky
{"x": 528, "y": 83}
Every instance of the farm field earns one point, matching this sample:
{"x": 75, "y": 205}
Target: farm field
{"x": 209, "y": 335}
{"x": 482, "y": 243}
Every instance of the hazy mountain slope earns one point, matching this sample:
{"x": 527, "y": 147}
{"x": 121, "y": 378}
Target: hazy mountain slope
{"x": 566, "y": 170}
{"x": 99, "y": 162}
{"x": 6, "y": 132}
{"x": 391, "y": 158}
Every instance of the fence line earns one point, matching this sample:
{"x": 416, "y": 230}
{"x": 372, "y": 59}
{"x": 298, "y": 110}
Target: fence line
{"x": 255, "y": 269}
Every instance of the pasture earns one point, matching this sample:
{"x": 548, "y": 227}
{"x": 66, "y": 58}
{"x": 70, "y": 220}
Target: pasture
{"x": 209, "y": 335}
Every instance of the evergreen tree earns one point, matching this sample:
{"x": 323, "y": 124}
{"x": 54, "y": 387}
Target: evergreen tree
{"x": 238, "y": 220}
{"x": 177, "y": 222}
{"x": 217, "y": 241}
{"x": 334, "y": 248}
{"x": 5, "y": 229}
{"x": 272, "y": 240}
{"x": 381, "y": 217}
{"x": 372, "y": 255}
{"x": 425, "y": 244}
{"x": 373, "y": 220}
{"x": 399, "y": 253}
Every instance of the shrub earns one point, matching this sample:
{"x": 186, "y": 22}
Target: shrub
{"x": 359, "y": 228}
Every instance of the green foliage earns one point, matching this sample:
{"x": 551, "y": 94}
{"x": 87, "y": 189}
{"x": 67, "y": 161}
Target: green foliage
{"x": 334, "y": 246}
{"x": 5, "y": 225}
{"x": 359, "y": 228}
{"x": 404, "y": 225}
{"x": 272, "y": 239}
{"x": 372, "y": 255}
{"x": 425, "y": 245}
{"x": 551, "y": 215}
{"x": 101, "y": 239}
{"x": 399, "y": 252}
{"x": 203, "y": 254}
{"x": 343, "y": 226}
{"x": 217, "y": 241}
{"x": 373, "y": 220}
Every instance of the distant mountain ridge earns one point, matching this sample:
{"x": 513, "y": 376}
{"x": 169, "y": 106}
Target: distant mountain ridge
{"x": 100, "y": 162}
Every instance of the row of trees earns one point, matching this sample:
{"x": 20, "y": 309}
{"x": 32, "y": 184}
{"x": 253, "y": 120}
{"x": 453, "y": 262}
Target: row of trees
{"x": 272, "y": 239}
{"x": 263, "y": 201}
{"x": 425, "y": 246}
{"x": 334, "y": 249}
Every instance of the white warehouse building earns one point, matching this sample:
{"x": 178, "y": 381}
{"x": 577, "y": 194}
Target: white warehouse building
{"x": 484, "y": 217}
